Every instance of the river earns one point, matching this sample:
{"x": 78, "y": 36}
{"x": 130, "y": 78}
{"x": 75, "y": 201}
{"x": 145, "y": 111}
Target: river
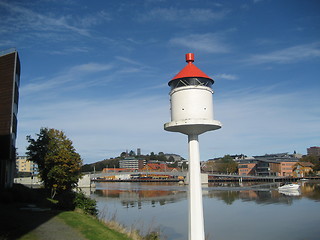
{"x": 247, "y": 211}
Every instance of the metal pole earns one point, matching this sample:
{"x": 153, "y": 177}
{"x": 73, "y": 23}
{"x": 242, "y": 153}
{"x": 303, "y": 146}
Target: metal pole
{"x": 196, "y": 222}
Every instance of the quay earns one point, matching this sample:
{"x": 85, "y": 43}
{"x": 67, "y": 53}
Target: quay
{"x": 181, "y": 176}
{"x": 238, "y": 178}
{"x": 135, "y": 180}
{"x": 88, "y": 178}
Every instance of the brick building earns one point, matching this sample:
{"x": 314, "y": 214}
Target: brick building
{"x": 313, "y": 151}
{"x": 278, "y": 164}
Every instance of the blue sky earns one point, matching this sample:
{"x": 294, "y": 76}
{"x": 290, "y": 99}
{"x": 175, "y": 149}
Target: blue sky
{"x": 98, "y": 70}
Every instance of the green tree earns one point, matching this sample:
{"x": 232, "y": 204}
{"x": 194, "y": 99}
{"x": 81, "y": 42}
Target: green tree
{"x": 123, "y": 154}
{"x": 58, "y": 163}
{"x": 132, "y": 153}
{"x": 153, "y": 156}
{"x": 227, "y": 165}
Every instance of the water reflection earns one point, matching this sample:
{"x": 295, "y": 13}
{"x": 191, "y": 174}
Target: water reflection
{"x": 255, "y": 211}
{"x": 136, "y": 194}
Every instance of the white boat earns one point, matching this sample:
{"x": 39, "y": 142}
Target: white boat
{"x": 294, "y": 192}
{"x": 289, "y": 186}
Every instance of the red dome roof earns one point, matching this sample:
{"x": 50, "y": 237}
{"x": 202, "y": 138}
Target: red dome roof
{"x": 190, "y": 70}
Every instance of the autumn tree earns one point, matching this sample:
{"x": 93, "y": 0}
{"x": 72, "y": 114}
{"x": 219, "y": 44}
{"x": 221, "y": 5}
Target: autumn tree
{"x": 58, "y": 162}
{"x": 315, "y": 160}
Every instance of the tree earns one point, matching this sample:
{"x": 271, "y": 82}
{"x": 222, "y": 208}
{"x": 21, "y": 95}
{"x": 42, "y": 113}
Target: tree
{"x": 132, "y": 153}
{"x": 59, "y": 164}
{"x": 315, "y": 160}
{"x": 123, "y": 154}
{"x": 227, "y": 165}
{"x": 171, "y": 159}
{"x": 153, "y": 156}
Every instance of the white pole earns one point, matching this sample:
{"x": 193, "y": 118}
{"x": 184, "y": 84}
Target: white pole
{"x": 196, "y": 222}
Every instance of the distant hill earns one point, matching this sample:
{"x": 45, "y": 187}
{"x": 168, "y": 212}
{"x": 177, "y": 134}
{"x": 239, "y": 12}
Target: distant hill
{"x": 114, "y": 162}
{"x": 98, "y": 166}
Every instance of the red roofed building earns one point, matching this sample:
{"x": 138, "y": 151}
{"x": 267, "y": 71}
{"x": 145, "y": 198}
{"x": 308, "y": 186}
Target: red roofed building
{"x": 157, "y": 167}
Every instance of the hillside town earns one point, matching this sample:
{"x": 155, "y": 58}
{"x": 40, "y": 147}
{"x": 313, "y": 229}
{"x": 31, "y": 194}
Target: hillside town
{"x": 275, "y": 164}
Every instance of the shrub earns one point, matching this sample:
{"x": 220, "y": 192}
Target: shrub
{"x": 85, "y": 203}
{"x": 66, "y": 200}
{"x": 152, "y": 236}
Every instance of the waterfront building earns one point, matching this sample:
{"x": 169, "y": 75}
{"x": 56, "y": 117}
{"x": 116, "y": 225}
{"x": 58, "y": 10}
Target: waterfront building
{"x": 132, "y": 163}
{"x": 267, "y": 167}
{"x": 9, "y": 96}
{"x": 302, "y": 169}
{"x": 157, "y": 167}
{"x": 109, "y": 170}
{"x": 247, "y": 167}
{"x": 278, "y": 164}
{"x": 286, "y": 168}
{"x": 313, "y": 151}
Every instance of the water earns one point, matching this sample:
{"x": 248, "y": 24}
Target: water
{"x": 248, "y": 212}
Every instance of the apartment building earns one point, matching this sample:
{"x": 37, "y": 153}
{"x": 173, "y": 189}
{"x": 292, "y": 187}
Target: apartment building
{"x": 9, "y": 98}
{"x": 23, "y": 165}
{"x": 313, "y": 151}
{"x": 132, "y": 163}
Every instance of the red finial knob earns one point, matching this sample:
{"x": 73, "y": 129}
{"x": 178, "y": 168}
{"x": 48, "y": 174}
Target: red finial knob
{"x": 189, "y": 57}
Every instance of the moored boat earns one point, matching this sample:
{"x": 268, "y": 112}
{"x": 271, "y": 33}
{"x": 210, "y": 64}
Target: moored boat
{"x": 289, "y": 186}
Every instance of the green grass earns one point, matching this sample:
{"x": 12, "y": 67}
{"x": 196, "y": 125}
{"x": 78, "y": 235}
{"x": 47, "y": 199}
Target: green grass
{"x": 29, "y": 236}
{"x": 90, "y": 227}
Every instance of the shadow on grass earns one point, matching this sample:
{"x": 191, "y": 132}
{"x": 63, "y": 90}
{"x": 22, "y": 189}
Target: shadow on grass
{"x": 22, "y": 210}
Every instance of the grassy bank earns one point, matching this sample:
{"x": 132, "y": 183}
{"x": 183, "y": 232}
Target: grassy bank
{"x": 90, "y": 227}
{"x": 27, "y": 214}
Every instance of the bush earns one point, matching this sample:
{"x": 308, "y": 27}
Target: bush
{"x": 85, "y": 203}
{"x": 66, "y": 200}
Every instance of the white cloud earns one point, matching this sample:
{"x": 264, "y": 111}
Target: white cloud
{"x": 104, "y": 126}
{"x": 6, "y": 42}
{"x": 288, "y": 55}
{"x": 225, "y": 76}
{"x": 255, "y": 121}
{"x": 75, "y": 74}
{"x": 24, "y": 18}
{"x": 69, "y": 50}
{"x": 208, "y": 42}
{"x": 259, "y": 121}
{"x": 182, "y": 15}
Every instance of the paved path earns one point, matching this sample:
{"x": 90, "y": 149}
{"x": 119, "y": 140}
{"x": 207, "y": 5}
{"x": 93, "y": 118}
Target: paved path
{"x": 20, "y": 222}
{"x": 56, "y": 229}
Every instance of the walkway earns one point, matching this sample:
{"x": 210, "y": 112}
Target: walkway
{"x": 20, "y": 222}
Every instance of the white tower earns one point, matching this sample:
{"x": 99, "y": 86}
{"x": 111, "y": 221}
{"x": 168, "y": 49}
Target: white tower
{"x": 192, "y": 114}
